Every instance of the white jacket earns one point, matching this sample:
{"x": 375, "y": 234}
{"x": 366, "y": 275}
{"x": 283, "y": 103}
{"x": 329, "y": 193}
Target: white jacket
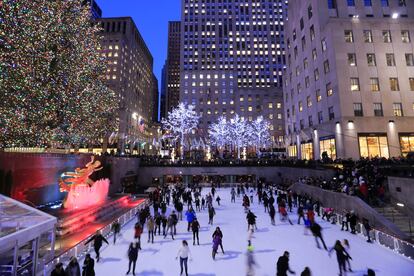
{"x": 184, "y": 252}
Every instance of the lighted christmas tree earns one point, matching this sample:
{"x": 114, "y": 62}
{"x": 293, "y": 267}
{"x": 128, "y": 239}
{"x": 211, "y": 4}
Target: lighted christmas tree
{"x": 51, "y": 75}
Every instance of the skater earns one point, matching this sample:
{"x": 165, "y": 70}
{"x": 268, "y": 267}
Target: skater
{"x": 317, "y": 233}
{"x": 306, "y": 272}
{"x": 157, "y": 224}
{"x": 233, "y": 195}
{"x": 190, "y": 215}
{"x": 73, "y": 268}
{"x": 218, "y": 200}
{"x": 341, "y": 256}
{"x": 150, "y": 228}
{"x": 272, "y": 214}
{"x": 138, "y": 232}
{"x": 88, "y": 268}
{"x": 184, "y": 253}
{"x": 203, "y": 203}
{"x": 283, "y": 213}
{"x": 116, "y": 228}
{"x": 251, "y": 263}
{"x": 197, "y": 204}
{"x": 175, "y": 219}
{"x": 218, "y": 232}
{"x": 213, "y": 191}
{"x": 251, "y": 196}
{"x": 164, "y": 222}
{"x": 179, "y": 208}
{"x": 251, "y": 220}
{"x": 283, "y": 265}
{"x": 195, "y": 227}
{"x": 345, "y": 221}
{"x": 170, "y": 226}
{"x": 246, "y": 203}
{"x": 265, "y": 202}
{"x": 301, "y": 214}
{"x": 211, "y": 214}
{"x": 58, "y": 270}
{"x": 216, "y": 244}
{"x": 353, "y": 222}
{"x": 367, "y": 228}
{"x": 347, "y": 248}
{"x": 97, "y": 243}
{"x": 132, "y": 256}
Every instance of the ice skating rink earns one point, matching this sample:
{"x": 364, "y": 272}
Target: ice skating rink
{"x": 269, "y": 243}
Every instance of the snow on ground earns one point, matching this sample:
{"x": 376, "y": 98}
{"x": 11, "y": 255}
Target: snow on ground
{"x": 269, "y": 243}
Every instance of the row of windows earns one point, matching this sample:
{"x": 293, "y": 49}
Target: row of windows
{"x": 372, "y": 60}
{"x": 368, "y": 37}
{"x": 332, "y": 4}
{"x": 397, "y": 109}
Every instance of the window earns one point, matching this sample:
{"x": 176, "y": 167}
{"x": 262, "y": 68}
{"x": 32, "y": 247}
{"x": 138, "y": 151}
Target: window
{"x": 405, "y": 36}
{"x": 406, "y": 144}
{"x": 352, "y": 59}
{"x": 306, "y": 151}
{"x": 329, "y": 90}
{"x": 327, "y": 145}
{"x": 316, "y": 74}
{"x": 309, "y": 101}
{"x": 300, "y": 106}
{"x": 397, "y": 109}
{"x": 411, "y": 81}
{"x": 320, "y": 117}
{"x": 386, "y": 36}
{"x": 332, "y": 4}
{"x": 312, "y": 32}
{"x": 314, "y": 54}
{"x": 378, "y": 112}
{"x": 310, "y": 12}
{"x": 384, "y": 3}
{"x": 349, "y": 36}
{"x": 354, "y": 84}
{"x": 373, "y": 146}
{"x": 326, "y": 66}
{"x": 394, "y": 85}
{"x": 331, "y": 113}
{"x": 358, "y": 112}
{"x": 318, "y": 95}
{"x": 323, "y": 44}
{"x": 368, "y": 3}
{"x": 368, "y": 36}
{"x": 390, "y": 59}
{"x": 402, "y": 3}
{"x": 310, "y": 121}
{"x": 409, "y": 59}
{"x": 371, "y": 60}
{"x": 351, "y": 3}
{"x": 374, "y": 83}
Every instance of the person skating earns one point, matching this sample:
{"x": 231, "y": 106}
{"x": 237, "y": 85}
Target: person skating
{"x": 132, "y": 256}
{"x": 218, "y": 199}
{"x": 213, "y": 191}
{"x": 272, "y": 214}
{"x": 138, "y": 231}
{"x": 367, "y": 228}
{"x": 306, "y": 272}
{"x": 216, "y": 244}
{"x": 345, "y": 221}
{"x": 150, "y": 228}
{"x": 203, "y": 203}
{"x": 301, "y": 214}
{"x": 197, "y": 204}
{"x": 347, "y": 247}
{"x": 250, "y": 261}
{"x": 317, "y": 233}
{"x": 97, "y": 243}
{"x": 283, "y": 213}
{"x": 58, "y": 270}
{"x": 116, "y": 228}
{"x": 282, "y": 266}
{"x": 251, "y": 220}
{"x": 251, "y": 196}
{"x": 184, "y": 253}
{"x": 175, "y": 219}
{"x": 211, "y": 214}
{"x": 233, "y": 195}
{"x": 179, "y": 208}
{"x": 341, "y": 256}
{"x": 73, "y": 268}
{"x": 164, "y": 222}
{"x": 218, "y": 232}
{"x": 353, "y": 222}
{"x": 88, "y": 268}
{"x": 190, "y": 216}
{"x": 157, "y": 224}
{"x": 195, "y": 227}
{"x": 265, "y": 202}
{"x": 170, "y": 226}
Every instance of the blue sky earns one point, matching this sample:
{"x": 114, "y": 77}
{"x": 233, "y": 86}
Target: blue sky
{"x": 151, "y": 17}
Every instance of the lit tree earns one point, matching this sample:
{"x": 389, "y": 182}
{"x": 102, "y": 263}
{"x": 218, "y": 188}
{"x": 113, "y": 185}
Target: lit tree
{"x": 238, "y": 133}
{"x": 51, "y": 75}
{"x": 219, "y": 133}
{"x": 260, "y": 134}
{"x": 180, "y": 122}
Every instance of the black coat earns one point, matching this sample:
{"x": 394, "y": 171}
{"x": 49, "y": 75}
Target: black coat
{"x": 97, "y": 240}
{"x": 133, "y": 252}
{"x": 282, "y": 266}
{"x": 56, "y": 272}
{"x": 88, "y": 267}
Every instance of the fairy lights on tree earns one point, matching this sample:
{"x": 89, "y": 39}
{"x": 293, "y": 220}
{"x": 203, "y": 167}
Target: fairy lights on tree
{"x": 51, "y": 76}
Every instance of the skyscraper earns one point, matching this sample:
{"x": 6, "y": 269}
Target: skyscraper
{"x": 349, "y": 80}
{"x": 173, "y": 65}
{"x": 232, "y": 59}
{"x": 130, "y": 75}
{"x": 163, "y": 93}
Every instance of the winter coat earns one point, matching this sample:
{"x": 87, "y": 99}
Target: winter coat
{"x": 251, "y": 218}
{"x": 73, "y": 269}
{"x": 211, "y": 212}
{"x": 316, "y": 229}
{"x": 216, "y": 242}
{"x": 218, "y": 233}
{"x": 195, "y": 226}
{"x": 190, "y": 216}
{"x": 282, "y": 266}
{"x": 57, "y": 272}
{"x": 138, "y": 230}
{"x": 150, "y": 225}
{"x": 133, "y": 252}
{"x": 97, "y": 240}
{"x": 88, "y": 267}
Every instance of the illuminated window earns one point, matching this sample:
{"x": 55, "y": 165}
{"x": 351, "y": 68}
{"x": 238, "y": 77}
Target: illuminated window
{"x": 371, "y": 146}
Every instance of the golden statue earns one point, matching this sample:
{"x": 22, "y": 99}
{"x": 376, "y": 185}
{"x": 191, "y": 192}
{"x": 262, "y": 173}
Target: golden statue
{"x": 70, "y": 180}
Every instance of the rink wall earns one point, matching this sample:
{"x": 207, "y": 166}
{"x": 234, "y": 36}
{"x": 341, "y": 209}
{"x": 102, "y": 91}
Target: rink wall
{"x": 402, "y": 190}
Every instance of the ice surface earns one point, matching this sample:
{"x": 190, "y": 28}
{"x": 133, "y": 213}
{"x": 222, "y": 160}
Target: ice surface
{"x": 269, "y": 243}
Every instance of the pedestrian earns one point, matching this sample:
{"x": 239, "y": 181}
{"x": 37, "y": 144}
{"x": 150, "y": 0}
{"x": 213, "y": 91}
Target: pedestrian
{"x": 341, "y": 256}
{"x": 138, "y": 231}
{"x": 282, "y": 266}
{"x": 150, "y": 228}
{"x": 97, "y": 243}
{"x": 347, "y": 247}
{"x": 73, "y": 268}
{"x": 306, "y": 272}
{"x": 58, "y": 270}
{"x": 317, "y": 233}
{"x": 184, "y": 253}
{"x": 190, "y": 216}
{"x": 218, "y": 200}
{"x": 116, "y": 228}
{"x": 218, "y": 232}
{"x": 88, "y": 268}
{"x": 367, "y": 228}
{"x": 216, "y": 244}
{"x": 211, "y": 214}
{"x": 251, "y": 220}
{"x": 133, "y": 256}
{"x": 250, "y": 261}
{"x": 195, "y": 227}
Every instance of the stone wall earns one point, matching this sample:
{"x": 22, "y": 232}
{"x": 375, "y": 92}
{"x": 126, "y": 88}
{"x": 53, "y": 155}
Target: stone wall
{"x": 402, "y": 190}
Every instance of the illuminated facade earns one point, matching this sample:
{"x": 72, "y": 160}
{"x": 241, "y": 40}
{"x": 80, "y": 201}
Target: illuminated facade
{"x": 173, "y": 65}
{"x": 349, "y": 82}
{"x": 233, "y": 50}
{"x": 130, "y": 75}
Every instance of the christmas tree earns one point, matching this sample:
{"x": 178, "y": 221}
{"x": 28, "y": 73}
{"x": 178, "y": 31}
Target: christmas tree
{"x": 51, "y": 75}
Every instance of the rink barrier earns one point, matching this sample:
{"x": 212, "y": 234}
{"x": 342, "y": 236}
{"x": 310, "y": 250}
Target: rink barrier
{"x": 80, "y": 249}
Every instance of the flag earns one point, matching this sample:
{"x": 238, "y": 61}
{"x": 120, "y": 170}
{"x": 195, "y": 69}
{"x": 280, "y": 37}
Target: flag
{"x": 141, "y": 124}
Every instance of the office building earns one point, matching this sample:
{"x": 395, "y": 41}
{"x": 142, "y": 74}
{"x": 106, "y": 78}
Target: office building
{"x": 173, "y": 65}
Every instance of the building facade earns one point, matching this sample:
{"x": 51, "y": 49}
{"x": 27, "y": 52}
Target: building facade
{"x": 173, "y": 65}
{"x": 232, "y": 60}
{"x": 349, "y": 82}
{"x": 130, "y": 76}
{"x": 155, "y": 99}
{"x": 163, "y": 99}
